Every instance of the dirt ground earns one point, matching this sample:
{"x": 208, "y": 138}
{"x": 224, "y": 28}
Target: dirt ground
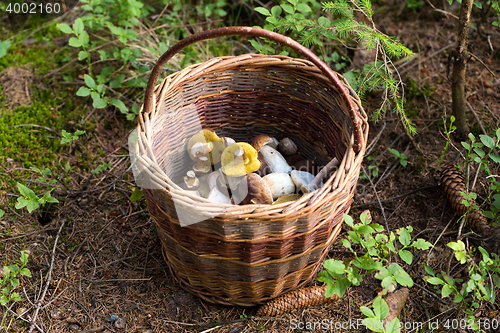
{"x": 104, "y": 260}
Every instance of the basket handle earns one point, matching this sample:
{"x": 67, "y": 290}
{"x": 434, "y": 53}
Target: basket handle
{"x": 273, "y": 36}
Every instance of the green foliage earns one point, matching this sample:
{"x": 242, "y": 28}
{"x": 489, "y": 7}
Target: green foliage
{"x": 108, "y": 32}
{"x": 379, "y": 250}
{"x": 70, "y": 137}
{"x": 374, "y": 318}
{"x": 483, "y": 277}
{"x": 101, "y": 168}
{"x": 373, "y": 169}
{"x": 9, "y": 281}
{"x": 377, "y": 259}
{"x": 136, "y": 194}
{"x": 402, "y": 157}
{"x": 4, "y": 46}
{"x": 30, "y": 200}
{"x": 295, "y": 19}
{"x": 482, "y": 152}
{"x": 447, "y": 131}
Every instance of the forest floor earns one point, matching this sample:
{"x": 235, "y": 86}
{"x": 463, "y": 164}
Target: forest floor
{"x": 97, "y": 263}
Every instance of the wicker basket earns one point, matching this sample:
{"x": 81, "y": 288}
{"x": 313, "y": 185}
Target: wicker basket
{"x": 247, "y": 254}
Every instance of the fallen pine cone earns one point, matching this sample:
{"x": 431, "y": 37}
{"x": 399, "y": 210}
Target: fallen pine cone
{"x": 453, "y": 183}
{"x": 294, "y": 300}
{"x": 396, "y": 302}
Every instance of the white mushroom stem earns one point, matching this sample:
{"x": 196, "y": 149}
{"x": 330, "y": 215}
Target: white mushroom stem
{"x": 302, "y": 179}
{"x": 332, "y": 165}
{"x": 191, "y": 177}
{"x": 201, "y": 149}
{"x": 212, "y": 179}
{"x": 275, "y": 160}
{"x": 201, "y": 162}
{"x": 228, "y": 141}
{"x": 240, "y": 153}
{"x": 191, "y": 181}
{"x": 217, "y": 196}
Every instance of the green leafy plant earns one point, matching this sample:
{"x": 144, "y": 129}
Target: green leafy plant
{"x": 374, "y": 318}
{"x": 373, "y": 168}
{"x": 68, "y": 137}
{"x": 30, "y": 200}
{"x": 402, "y": 157}
{"x": 447, "y": 130}
{"x": 295, "y": 18}
{"x": 377, "y": 258}
{"x": 480, "y": 285}
{"x": 9, "y": 281}
{"x": 482, "y": 152}
{"x": 101, "y": 168}
{"x": 4, "y": 46}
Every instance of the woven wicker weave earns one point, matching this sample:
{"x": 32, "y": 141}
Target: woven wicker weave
{"x": 248, "y": 254}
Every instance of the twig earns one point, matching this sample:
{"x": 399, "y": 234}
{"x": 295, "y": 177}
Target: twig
{"x": 440, "y": 235}
{"x": 375, "y": 140}
{"x": 396, "y": 197}
{"x": 38, "y": 126}
{"x": 49, "y": 277}
{"x": 476, "y": 116}
{"x": 110, "y": 263}
{"x": 482, "y": 63}
{"x": 93, "y": 330}
{"x": 30, "y": 234}
{"x": 431, "y": 293}
{"x": 378, "y": 199}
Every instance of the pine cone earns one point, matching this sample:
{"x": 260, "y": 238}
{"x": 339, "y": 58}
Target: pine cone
{"x": 297, "y": 299}
{"x": 453, "y": 183}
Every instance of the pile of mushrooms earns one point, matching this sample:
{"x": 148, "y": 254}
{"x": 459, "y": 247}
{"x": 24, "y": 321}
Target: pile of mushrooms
{"x": 263, "y": 171}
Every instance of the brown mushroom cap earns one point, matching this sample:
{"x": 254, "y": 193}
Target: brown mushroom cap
{"x": 263, "y": 139}
{"x": 287, "y": 147}
{"x": 258, "y": 190}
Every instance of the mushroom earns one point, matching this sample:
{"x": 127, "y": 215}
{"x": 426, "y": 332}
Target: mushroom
{"x": 204, "y": 189}
{"x": 202, "y": 165}
{"x": 287, "y": 198}
{"x": 275, "y": 160}
{"x": 287, "y": 147}
{"x": 255, "y": 190}
{"x": 212, "y": 179}
{"x": 217, "y": 196}
{"x": 228, "y": 141}
{"x": 200, "y": 149}
{"x": 225, "y": 182}
{"x": 205, "y": 137}
{"x": 303, "y": 179}
{"x": 264, "y": 168}
{"x": 280, "y": 184}
{"x": 239, "y": 159}
{"x": 192, "y": 183}
{"x": 263, "y": 139}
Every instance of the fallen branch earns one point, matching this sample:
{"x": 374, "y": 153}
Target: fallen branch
{"x": 47, "y": 283}
{"x": 297, "y": 299}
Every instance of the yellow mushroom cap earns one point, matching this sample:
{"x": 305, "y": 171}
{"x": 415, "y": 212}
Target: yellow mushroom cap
{"x": 205, "y": 136}
{"x": 236, "y": 166}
